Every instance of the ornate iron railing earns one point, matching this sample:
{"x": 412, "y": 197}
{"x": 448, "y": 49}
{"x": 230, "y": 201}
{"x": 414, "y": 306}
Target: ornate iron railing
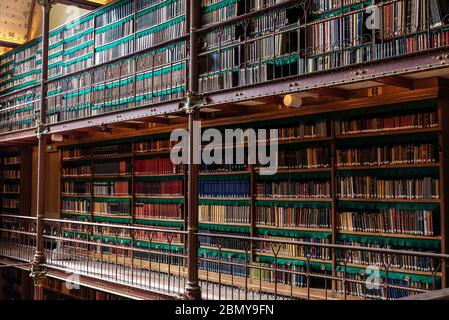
{"x": 262, "y": 268}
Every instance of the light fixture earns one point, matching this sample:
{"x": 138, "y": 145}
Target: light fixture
{"x": 293, "y": 100}
{"x": 57, "y": 137}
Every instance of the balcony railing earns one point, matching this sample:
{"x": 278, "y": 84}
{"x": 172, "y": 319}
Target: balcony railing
{"x": 285, "y": 40}
{"x": 155, "y": 260}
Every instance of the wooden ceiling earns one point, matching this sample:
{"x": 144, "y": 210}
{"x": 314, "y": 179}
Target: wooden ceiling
{"x": 16, "y": 19}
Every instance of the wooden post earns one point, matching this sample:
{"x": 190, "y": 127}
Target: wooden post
{"x": 38, "y": 272}
{"x": 443, "y": 115}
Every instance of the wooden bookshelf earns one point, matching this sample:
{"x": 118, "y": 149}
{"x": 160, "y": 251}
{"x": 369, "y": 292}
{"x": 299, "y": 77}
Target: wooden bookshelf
{"x": 329, "y": 172}
{"x": 19, "y": 184}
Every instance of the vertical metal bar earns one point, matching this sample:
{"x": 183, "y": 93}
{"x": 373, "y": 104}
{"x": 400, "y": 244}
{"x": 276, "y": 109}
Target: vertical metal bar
{"x": 38, "y": 268}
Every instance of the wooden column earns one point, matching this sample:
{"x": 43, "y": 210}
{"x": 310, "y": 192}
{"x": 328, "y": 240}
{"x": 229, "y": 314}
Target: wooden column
{"x": 443, "y": 118}
{"x": 38, "y": 267}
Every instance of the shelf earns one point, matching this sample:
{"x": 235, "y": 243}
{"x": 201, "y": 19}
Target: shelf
{"x": 160, "y": 197}
{"x": 145, "y": 175}
{"x": 74, "y": 195}
{"x": 225, "y": 199}
{"x": 389, "y": 200}
{"x": 111, "y": 176}
{"x": 294, "y": 199}
{"x": 323, "y": 261}
{"x": 75, "y": 213}
{"x": 236, "y": 224}
{"x": 305, "y": 229}
{"x": 390, "y": 235}
{"x": 302, "y": 170}
{"x": 223, "y": 173}
{"x": 405, "y": 271}
{"x": 389, "y": 133}
{"x": 111, "y": 197}
{"x": 108, "y": 215}
{"x": 222, "y": 249}
{"x": 111, "y": 157}
{"x": 152, "y": 153}
{"x": 388, "y": 166}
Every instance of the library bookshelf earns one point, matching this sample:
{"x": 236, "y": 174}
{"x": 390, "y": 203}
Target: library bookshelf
{"x": 355, "y": 169}
{"x": 326, "y": 154}
{"x": 16, "y": 181}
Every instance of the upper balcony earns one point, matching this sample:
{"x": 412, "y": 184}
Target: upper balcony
{"x": 130, "y": 60}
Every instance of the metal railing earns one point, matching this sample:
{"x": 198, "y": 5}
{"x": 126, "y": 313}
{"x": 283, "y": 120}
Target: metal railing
{"x": 155, "y": 259}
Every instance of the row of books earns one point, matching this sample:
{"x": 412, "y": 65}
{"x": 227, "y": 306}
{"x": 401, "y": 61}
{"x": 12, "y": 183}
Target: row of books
{"x": 221, "y": 13}
{"x": 118, "y": 13}
{"x": 160, "y": 13}
{"x": 76, "y": 153}
{"x": 319, "y": 6}
{"x": 82, "y": 170}
{"x": 224, "y": 188}
{"x": 294, "y": 217}
{"x": 422, "y": 120}
{"x": 156, "y": 166}
{"x": 291, "y": 275}
{"x": 111, "y": 151}
{"x": 11, "y": 160}
{"x": 157, "y": 211}
{"x": 76, "y": 206}
{"x": 316, "y": 129}
{"x": 380, "y": 188}
{"x": 11, "y": 173}
{"x": 11, "y": 188}
{"x": 76, "y": 188}
{"x": 111, "y": 168}
{"x": 224, "y": 243}
{"x": 111, "y": 208}
{"x": 403, "y": 261}
{"x": 162, "y": 188}
{"x": 389, "y": 221}
{"x": 166, "y": 31}
{"x": 11, "y": 203}
{"x": 107, "y": 35}
{"x": 159, "y": 236}
{"x": 116, "y": 188}
{"x": 294, "y": 250}
{"x": 358, "y": 287}
{"x": 308, "y": 158}
{"x": 227, "y": 265}
{"x": 154, "y": 146}
{"x": 294, "y": 189}
{"x": 223, "y": 214}
{"x": 388, "y": 155}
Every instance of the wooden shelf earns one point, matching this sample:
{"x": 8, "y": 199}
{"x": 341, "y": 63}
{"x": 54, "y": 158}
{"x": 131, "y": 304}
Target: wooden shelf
{"x": 390, "y": 200}
{"x": 405, "y": 271}
{"x": 294, "y": 199}
{"x": 236, "y": 224}
{"x": 390, "y": 235}
{"x": 224, "y": 173}
{"x": 388, "y": 166}
{"x": 389, "y": 133}
{"x": 143, "y": 175}
{"x": 263, "y": 226}
{"x": 111, "y": 197}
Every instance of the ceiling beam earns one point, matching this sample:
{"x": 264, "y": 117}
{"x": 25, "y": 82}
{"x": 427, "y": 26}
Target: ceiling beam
{"x": 397, "y": 81}
{"x": 83, "y": 4}
{"x": 30, "y": 19}
{"x": 7, "y": 44}
{"x": 331, "y": 92}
